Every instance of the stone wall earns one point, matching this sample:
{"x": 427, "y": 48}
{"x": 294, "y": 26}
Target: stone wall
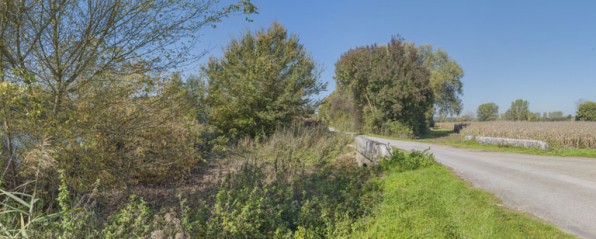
{"x": 522, "y": 143}
{"x": 369, "y": 152}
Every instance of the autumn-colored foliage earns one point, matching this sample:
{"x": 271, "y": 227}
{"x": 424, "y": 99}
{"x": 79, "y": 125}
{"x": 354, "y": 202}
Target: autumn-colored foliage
{"x": 390, "y": 85}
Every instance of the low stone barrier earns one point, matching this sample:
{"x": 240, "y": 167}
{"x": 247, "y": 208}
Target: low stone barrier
{"x": 522, "y": 143}
{"x": 370, "y": 152}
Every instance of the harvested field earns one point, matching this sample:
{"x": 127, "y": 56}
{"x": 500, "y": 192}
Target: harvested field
{"x": 568, "y": 134}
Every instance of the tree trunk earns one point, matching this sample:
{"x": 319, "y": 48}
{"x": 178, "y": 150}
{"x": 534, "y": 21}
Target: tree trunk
{"x": 57, "y": 101}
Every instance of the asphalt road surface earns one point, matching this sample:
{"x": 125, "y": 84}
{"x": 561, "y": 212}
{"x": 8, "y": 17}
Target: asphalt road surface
{"x": 559, "y": 190}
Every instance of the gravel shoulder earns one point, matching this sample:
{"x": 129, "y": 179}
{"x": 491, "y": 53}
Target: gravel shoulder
{"x": 559, "y": 190}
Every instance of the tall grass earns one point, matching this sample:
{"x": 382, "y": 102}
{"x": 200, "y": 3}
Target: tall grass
{"x": 300, "y": 182}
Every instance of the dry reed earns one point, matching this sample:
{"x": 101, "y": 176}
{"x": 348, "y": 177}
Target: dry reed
{"x": 567, "y": 134}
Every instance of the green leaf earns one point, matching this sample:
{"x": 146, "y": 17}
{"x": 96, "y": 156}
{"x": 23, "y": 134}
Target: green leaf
{"x": 11, "y": 195}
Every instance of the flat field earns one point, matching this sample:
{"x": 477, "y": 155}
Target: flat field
{"x": 561, "y": 135}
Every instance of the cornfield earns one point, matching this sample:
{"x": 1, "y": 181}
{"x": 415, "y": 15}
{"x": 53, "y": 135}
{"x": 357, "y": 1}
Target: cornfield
{"x": 566, "y": 134}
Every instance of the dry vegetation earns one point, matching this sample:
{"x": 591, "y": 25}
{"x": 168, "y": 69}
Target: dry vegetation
{"x": 575, "y": 135}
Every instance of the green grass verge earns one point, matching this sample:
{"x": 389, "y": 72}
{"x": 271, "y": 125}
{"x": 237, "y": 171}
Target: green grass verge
{"x": 433, "y": 203}
{"x": 588, "y": 153}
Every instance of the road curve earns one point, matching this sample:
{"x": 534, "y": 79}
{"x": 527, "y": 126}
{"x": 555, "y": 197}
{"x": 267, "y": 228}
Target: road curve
{"x": 559, "y": 190}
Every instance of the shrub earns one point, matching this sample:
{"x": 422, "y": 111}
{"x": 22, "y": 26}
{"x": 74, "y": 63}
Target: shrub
{"x": 293, "y": 184}
{"x": 264, "y": 80}
{"x": 400, "y": 161}
{"x": 587, "y": 111}
{"x": 338, "y": 110}
{"x": 487, "y": 112}
{"x": 128, "y": 136}
{"x": 397, "y": 129}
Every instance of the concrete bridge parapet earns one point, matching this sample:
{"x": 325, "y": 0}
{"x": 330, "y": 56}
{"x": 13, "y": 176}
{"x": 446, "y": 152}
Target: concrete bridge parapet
{"x": 369, "y": 152}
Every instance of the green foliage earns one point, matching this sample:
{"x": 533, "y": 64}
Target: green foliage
{"x": 284, "y": 199}
{"x": 392, "y": 128}
{"x": 338, "y": 110}
{"x": 389, "y": 83}
{"x": 555, "y": 115}
{"x": 487, "y": 112}
{"x": 294, "y": 184}
{"x": 550, "y": 116}
{"x": 90, "y": 89}
{"x": 445, "y": 80}
{"x": 399, "y": 161}
{"x": 264, "y": 80}
{"x": 20, "y": 214}
{"x": 128, "y": 131}
{"x": 469, "y": 116}
{"x": 519, "y": 111}
{"x": 131, "y": 221}
{"x": 434, "y": 203}
{"x": 132, "y": 37}
{"x": 587, "y": 111}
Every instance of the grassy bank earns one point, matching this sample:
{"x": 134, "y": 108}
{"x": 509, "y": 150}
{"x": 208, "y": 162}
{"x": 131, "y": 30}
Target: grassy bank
{"x": 587, "y": 153}
{"x": 431, "y": 202}
{"x": 301, "y": 182}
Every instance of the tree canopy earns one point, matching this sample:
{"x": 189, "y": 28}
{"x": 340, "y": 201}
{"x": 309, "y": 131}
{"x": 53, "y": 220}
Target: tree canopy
{"x": 488, "y": 111}
{"x": 64, "y": 44}
{"x": 390, "y": 84}
{"x": 519, "y": 110}
{"x": 264, "y": 80}
{"x": 587, "y": 111}
{"x": 445, "y": 80}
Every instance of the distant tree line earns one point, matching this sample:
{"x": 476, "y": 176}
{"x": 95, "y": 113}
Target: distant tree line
{"x": 519, "y": 111}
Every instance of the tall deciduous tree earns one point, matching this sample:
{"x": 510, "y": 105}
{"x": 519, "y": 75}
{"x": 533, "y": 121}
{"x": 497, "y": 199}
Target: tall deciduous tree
{"x": 519, "y": 110}
{"x": 65, "y": 44}
{"x": 488, "y": 111}
{"x": 390, "y": 84}
{"x": 92, "y": 74}
{"x": 445, "y": 80}
{"x": 587, "y": 111}
{"x": 265, "y": 79}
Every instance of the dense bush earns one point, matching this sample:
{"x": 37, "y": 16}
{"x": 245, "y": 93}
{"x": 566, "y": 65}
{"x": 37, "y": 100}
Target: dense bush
{"x": 400, "y": 161}
{"x": 298, "y": 183}
{"x": 97, "y": 102}
{"x": 587, "y": 111}
{"x": 487, "y": 112}
{"x": 264, "y": 80}
{"x": 389, "y": 83}
{"x": 339, "y": 110}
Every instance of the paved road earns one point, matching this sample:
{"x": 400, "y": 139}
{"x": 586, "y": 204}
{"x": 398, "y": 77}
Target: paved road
{"x": 559, "y": 190}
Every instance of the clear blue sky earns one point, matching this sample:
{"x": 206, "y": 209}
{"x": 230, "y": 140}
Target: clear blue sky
{"x": 540, "y": 51}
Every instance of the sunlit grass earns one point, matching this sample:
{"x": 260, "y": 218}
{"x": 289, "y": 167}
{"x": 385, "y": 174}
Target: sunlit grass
{"x": 434, "y": 203}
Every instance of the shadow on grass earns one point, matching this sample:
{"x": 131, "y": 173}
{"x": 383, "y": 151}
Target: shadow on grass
{"x": 436, "y": 133}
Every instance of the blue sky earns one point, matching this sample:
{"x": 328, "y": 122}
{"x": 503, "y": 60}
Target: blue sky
{"x": 540, "y": 51}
